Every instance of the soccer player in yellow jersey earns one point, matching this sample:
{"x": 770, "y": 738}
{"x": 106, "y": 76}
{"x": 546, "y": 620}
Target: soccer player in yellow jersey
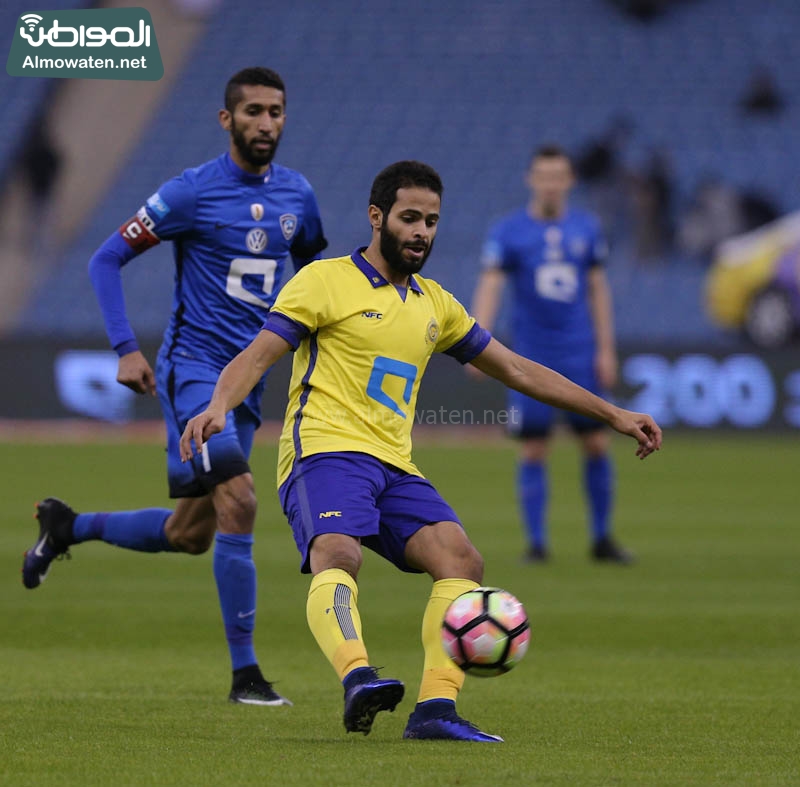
{"x": 363, "y": 328}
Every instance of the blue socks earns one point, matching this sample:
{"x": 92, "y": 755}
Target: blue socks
{"x": 533, "y": 492}
{"x": 141, "y": 530}
{"x": 234, "y": 569}
{"x": 235, "y": 573}
{"x": 598, "y": 479}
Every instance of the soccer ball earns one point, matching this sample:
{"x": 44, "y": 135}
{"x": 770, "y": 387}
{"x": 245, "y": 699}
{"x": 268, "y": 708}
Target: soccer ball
{"x": 485, "y": 631}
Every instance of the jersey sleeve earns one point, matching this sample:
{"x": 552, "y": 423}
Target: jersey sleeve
{"x": 494, "y": 255}
{"x": 105, "y": 274}
{"x": 310, "y": 239}
{"x": 166, "y": 215}
{"x": 459, "y": 336}
{"x": 302, "y": 307}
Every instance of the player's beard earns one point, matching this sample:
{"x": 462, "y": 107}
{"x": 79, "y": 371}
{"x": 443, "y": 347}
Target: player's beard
{"x": 248, "y": 153}
{"x": 552, "y": 207}
{"x": 392, "y": 252}
{"x": 551, "y": 210}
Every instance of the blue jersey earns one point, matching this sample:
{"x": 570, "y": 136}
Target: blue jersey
{"x": 548, "y": 264}
{"x": 232, "y": 233}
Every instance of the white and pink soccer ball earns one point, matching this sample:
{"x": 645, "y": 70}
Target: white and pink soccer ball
{"x": 486, "y": 631}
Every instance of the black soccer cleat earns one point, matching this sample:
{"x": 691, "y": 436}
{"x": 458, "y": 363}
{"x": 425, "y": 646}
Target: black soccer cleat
{"x": 250, "y": 687}
{"x": 365, "y": 695}
{"x": 437, "y": 720}
{"x": 55, "y": 536}
{"x": 536, "y": 554}
{"x": 608, "y": 551}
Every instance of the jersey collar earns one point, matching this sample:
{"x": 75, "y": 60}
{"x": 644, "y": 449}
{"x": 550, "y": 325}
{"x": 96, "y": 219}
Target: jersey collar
{"x": 245, "y": 177}
{"x": 375, "y": 278}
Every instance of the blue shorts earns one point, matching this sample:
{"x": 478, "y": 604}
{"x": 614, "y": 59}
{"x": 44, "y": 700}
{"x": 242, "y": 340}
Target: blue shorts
{"x": 532, "y": 418}
{"x": 185, "y": 388}
{"x": 360, "y": 496}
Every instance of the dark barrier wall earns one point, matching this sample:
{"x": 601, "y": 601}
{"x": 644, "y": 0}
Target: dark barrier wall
{"x": 681, "y": 388}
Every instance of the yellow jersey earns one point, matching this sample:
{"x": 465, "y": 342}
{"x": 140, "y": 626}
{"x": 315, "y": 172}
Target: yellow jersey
{"x": 362, "y": 346}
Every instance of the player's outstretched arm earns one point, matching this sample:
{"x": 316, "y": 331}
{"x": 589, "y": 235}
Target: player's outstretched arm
{"x": 548, "y": 386}
{"x": 235, "y": 382}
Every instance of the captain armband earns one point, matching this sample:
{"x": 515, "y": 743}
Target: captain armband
{"x": 138, "y": 232}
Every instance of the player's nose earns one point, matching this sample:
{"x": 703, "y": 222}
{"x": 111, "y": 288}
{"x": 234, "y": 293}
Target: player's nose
{"x": 266, "y": 124}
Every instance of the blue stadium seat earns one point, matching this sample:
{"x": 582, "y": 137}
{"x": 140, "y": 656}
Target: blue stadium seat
{"x": 21, "y": 97}
{"x": 471, "y": 87}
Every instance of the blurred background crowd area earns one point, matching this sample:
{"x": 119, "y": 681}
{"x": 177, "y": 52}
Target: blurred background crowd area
{"x": 682, "y": 117}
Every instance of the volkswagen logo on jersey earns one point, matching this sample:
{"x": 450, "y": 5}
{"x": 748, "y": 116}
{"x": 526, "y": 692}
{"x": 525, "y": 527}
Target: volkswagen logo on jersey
{"x": 257, "y": 211}
{"x": 288, "y": 225}
{"x": 256, "y": 240}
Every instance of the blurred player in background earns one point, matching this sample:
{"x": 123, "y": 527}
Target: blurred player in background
{"x": 233, "y": 222}
{"x": 562, "y": 317}
{"x": 364, "y": 328}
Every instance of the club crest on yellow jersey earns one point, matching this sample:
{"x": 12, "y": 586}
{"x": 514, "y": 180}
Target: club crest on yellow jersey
{"x": 432, "y": 331}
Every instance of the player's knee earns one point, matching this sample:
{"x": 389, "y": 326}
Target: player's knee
{"x": 472, "y": 564}
{"x": 191, "y": 528}
{"x": 534, "y": 450}
{"x": 243, "y": 508}
{"x": 330, "y": 551}
{"x": 465, "y": 562}
{"x": 349, "y": 562}
{"x": 193, "y": 543}
{"x": 236, "y": 513}
{"x": 595, "y": 444}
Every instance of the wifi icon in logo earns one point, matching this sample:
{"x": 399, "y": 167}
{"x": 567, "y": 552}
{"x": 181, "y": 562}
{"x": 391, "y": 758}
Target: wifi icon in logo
{"x": 31, "y": 20}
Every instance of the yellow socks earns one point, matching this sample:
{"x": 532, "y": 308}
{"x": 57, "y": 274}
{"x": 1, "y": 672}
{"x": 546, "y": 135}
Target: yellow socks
{"x": 441, "y": 678}
{"x": 334, "y": 621}
{"x": 336, "y": 625}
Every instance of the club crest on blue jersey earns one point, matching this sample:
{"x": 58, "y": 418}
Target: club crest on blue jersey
{"x": 578, "y": 247}
{"x": 552, "y": 236}
{"x": 432, "y": 331}
{"x": 158, "y": 206}
{"x": 288, "y": 225}
{"x": 257, "y": 211}
{"x": 256, "y": 240}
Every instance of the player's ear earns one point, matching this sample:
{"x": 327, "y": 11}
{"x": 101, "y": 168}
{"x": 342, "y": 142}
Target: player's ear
{"x": 375, "y": 217}
{"x": 529, "y": 177}
{"x": 225, "y": 119}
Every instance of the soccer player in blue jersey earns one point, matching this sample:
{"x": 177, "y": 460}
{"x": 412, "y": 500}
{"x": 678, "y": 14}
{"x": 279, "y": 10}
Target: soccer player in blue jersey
{"x": 364, "y": 328}
{"x": 561, "y": 316}
{"x": 233, "y": 221}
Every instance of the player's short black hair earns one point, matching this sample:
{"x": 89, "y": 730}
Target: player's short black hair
{"x": 550, "y": 150}
{"x": 251, "y": 76}
{"x": 402, "y": 175}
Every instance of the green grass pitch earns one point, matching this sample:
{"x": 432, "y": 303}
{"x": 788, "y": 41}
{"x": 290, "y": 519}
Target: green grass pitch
{"x": 683, "y": 669}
